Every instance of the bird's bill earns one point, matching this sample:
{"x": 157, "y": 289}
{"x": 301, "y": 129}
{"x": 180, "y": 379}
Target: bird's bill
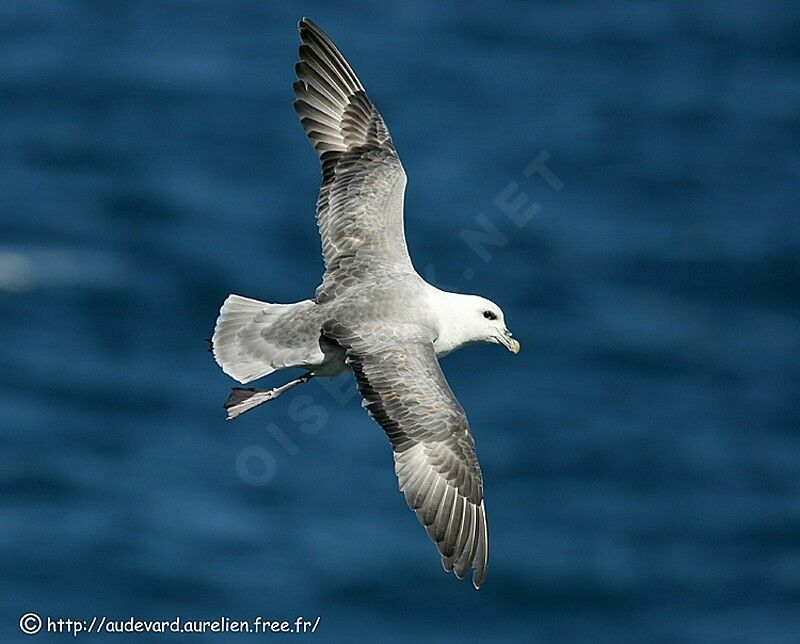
{"x": 508, "y": 342}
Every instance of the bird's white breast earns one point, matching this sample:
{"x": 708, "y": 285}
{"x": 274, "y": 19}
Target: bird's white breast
{"x": 446, "y": 342}
{"x": 449, "y": 313}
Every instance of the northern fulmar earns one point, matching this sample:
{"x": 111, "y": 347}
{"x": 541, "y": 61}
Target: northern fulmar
{"x": 372, "y": 314}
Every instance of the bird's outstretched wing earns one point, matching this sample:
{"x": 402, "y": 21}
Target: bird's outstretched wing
{"x": 360, "y": 205}
{"x": 405, "y": 390}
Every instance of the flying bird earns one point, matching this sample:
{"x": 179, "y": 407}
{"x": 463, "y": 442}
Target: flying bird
{"x": 372, "y": 314}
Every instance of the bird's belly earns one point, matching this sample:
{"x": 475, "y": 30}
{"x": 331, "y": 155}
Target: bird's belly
{"x": 333, "y": 363}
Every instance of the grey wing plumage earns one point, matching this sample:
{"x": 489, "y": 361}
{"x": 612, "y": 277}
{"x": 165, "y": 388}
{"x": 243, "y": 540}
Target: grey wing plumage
{"x": 360, "y": 205}
{"x": 405, "y": 390}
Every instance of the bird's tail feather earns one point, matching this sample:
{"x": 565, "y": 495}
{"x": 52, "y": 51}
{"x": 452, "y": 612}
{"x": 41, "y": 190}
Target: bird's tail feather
{"x": 253, "y": 338}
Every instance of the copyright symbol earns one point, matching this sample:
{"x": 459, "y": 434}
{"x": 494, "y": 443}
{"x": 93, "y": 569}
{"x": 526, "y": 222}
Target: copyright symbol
{"x": 30, "y": 623}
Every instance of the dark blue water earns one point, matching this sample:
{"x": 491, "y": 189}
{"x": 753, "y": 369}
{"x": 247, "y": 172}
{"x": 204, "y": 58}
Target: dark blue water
{"x": 642, "y": 453}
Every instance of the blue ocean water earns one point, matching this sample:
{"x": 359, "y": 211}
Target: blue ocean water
{"x": 642, "y": 453}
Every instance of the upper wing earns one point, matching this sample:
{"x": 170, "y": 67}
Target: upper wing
{"x": 405, "y": 390}
{"x": 360, "y": 205}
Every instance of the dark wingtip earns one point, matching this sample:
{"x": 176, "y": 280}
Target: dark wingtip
{"x": 306, "y": 24}
{"x": 210, "y": 345}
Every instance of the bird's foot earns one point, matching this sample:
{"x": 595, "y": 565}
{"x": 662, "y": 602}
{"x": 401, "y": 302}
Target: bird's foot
{"x": 243, "y": 399}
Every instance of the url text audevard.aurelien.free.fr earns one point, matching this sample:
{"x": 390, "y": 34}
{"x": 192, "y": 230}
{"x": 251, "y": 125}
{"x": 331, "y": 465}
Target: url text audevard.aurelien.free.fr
{"x": 32, "y": 624}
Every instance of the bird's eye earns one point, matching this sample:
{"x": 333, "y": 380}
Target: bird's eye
{"x": 489, "y": 315}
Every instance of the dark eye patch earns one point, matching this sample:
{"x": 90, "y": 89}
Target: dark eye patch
{"x": 489, "y": 315}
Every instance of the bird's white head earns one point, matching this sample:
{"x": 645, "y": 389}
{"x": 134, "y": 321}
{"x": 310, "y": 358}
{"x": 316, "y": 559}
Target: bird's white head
{"x": 469, "y": 319}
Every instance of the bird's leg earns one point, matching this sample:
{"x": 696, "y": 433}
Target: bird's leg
{"x": 243, "y": 399}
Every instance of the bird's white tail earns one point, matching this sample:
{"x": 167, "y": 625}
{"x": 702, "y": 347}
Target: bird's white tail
{"x": 253, "y": 338}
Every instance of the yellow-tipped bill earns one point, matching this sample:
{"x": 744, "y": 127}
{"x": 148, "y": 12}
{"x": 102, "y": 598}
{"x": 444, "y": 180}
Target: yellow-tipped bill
{"x": 508, "y": 342}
